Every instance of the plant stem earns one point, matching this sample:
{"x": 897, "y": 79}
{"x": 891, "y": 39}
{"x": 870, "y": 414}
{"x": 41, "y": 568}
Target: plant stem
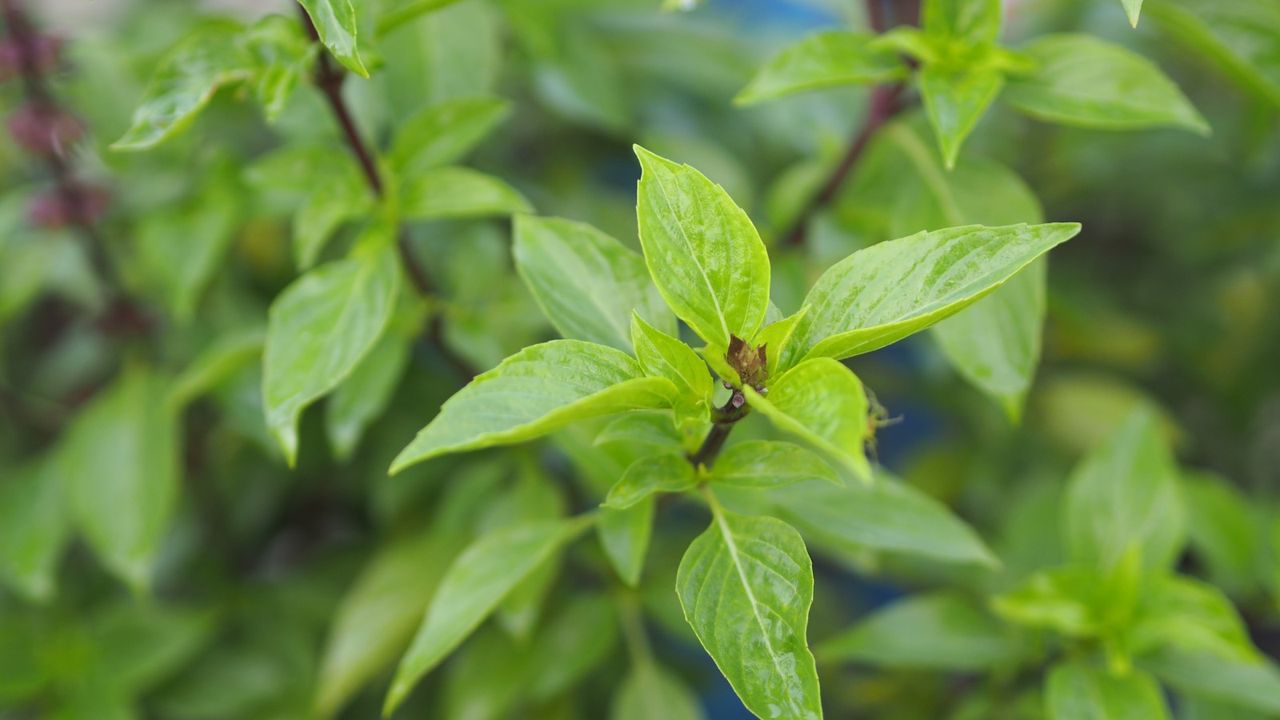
{"x": 884, "y": 104}
{"x": 329, "y": 79}
{"x": 722, "y": 420}
{"x": 633, "y": 630}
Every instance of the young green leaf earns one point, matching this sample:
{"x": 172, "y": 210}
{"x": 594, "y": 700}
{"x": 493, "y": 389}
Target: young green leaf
{"x": 1238, "y": 35}
{"x": 888, "y": 291}
{"x": 472, "y": 589}
{"x": 33, "y": 529}
{"x": 119, "y": 463}
{"x": 955, "y": 99}
{"x": 745, "y": 586}
{"x": 972, "y": 21}
{"x": 361, "y": 398}
{"x": 586, "y": 282}
{"x": 704, "y": 254}
{"x": 823, "y": 60}
{"x": 641, "y": 428}
{"x": 1068, "y": 600}
{"x": 321, "y": 327}
{"x": 661, "y": 355}
{"x": 1077, "y": 691}
{"x": 282, "y": 54}
{"x": 823, "y": 403}
{"x": 337, "y": 196}
{"x": 184, "y": 82}
{"x": 1132, "y": 8}
{"x": 533, "y": 392}
{"x": 376, "y": 619}
{"x": 624, "y": 537}
{"x": 1248, "y": 684}
{"x": 335, "y": 22}
{"x": 887, "y": 515}
{"x": 940, "y": 632}
{"x": 444, "y": 133}
{"x": 649, "y": 475}
{"x": 458, "y": 192}
{"x": 776, "y": 337}
{"x": 650, "y": 692}
{"x": 1181, "y": 612}
{"x": 1125, "y": 493}
{"x": 768, "y": 464}
{"x": 1081, "y": 80}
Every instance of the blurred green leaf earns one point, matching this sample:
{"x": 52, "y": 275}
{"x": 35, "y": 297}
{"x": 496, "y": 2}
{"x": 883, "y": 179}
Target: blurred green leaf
{"x": 322, "y": 326}
{"x": 34, "y": 529}
{"x": 1241, "y": 36}
{"x": 1125, "y": 494}
{"x": 1080, "y": 80}
{"x": 1131, "y": 9}
{"x": 335, "y": 23}
{"x": 650, "y": 692}
{"x": 119, "y": 463}
{"x": 1225, "y": 532}
{"x": 533, "y": 392}
{"x": 458, "y": 192}
{"x": 575, "y": 642}
{"x": 704, "y": 254}
{"x": 938, "y": 631}
{"x": 1254, "y": 685}
{"x": 185, "y": 81}
{"x": 823, "y": 60}
{"x": 364, "y": 395}
{"x": 955, "y": 100}
{"x": 472, "y": 589}
{"x": 340, "y": 195}
{"x": 444, "y": 133}
{"x": 1191, "y": 615}
{"x": 586, "y": 282}
{"x": 823, "y": 403}
{"x": 1076, "y": 691}
{"x": 624, "y": 536}
{"x": 746, "y": 585}
{"x": 971, "y": 21}
{"x": 650, "y": 475}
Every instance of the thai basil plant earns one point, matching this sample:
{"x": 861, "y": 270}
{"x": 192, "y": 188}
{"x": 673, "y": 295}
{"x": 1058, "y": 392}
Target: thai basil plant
{"x": 359, "y": 359}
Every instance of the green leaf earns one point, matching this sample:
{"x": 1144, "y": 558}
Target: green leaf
{"x": 180, "y": 248}
{"x": 1254, "y": 685}
{"x": 954, "y": 100}
{"x": 746, "y": 585}
{"x": 339, "y": 195}
{"x": 458, "y": 192}
{"x": 649, "y": 475}
{"x": 534, "y": 497}
{"x": 624, "y": 537}
{"x": 282, "y": 55}
{"x": 119, "y": 463}
{"x": 641, "y": 428}
{"x": 335, "y": 22}
{"x": 768, "y": 464}
{"x": 886, "y": 515}
{"x": 225, "y": 357}
{"x": 1240, "y": 36}
{"x": 995, "y": 343}
{"x": 407, "y": 10}
{"x": 586, "y": 282}
{"x": 487, "y": 677}
{"x": 823, "y": 60}
{"x": 472, "y": 589}
{"x": 893, "y": 289}
{"x": 661, "y": 355}
{"x": 533, "y": 392}
{"x": 1226, "y": 532}
{"x": 321, "y": 327}
{"x": 444, "y": 133}
{"x": 33, "y": 529}
{"x": 704, "y": 254}
{"x": 1081, "y": 80}
{"x": 1066, "y": 599}
{"x": 1189, "y": 614}
{"x": 1125, "y": 493}
{"x": 939, "y": 631}
{"x": 574, "y": 643}
{"x": 1132, "y": 8}
{"x": 650, "y": 692}
{"x": 973, "y": 21}
{"x": 1076, "y": 691}
{"x": 776, "y": 338}
{"x": 378, "y": 615}
{"x": 823, "y": 403}
{"x": 362, "y": 397}
{"x": 185, "y": 81}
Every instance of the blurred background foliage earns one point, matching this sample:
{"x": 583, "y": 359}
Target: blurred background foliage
{"x": 281, "y": 593}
